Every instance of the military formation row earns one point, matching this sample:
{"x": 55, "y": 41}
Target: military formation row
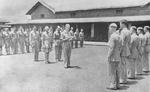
{"x": 24, "y": 39}
{"x": 128, "y": 54}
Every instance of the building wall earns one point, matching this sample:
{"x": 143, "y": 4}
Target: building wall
{"x": 42, "y": 11}
{"x": 90, "y": 13}
{"x": 105, "y": 13}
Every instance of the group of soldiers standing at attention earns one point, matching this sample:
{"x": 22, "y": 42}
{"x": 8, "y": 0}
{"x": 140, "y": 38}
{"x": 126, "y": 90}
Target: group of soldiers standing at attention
{"x": 24, "y": 38}
{"x": 128, "y": 54}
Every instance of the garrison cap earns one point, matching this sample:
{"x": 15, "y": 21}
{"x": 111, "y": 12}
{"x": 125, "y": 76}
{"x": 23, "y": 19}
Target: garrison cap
{"x": 113, "y": 25}
{"x": 139, "y": 28}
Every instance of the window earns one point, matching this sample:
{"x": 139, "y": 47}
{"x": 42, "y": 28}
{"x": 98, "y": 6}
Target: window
{"x": 73, "y": 14}
{"x": 42, "y": 16}
{"x": 119, "y": 11}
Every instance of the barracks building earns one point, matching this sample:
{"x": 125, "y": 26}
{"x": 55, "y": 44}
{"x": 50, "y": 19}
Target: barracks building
{"x": 93, "y": 17}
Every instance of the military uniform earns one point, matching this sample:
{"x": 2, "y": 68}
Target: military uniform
{"x": 58, "y": 46}
{"x": 1, "y": 41}
{"x": 76, "y": 36}
{"x": 81, "y": 36}
{"x": 47, "y": 45}
{"x": 21, "y": 39}
{"x": 7, "y": 41}
{"x": 72, "y": 34}
{"x": 134, "y": 54}
{"x": 146, "y": 52}
{"x": 114, "y": 59}
{"x": 27, "y": 42}
{"x": 14, "y": 37}
{"x": 66, "y": 38}
{"x": 35, "y": 39}
{"x": 125, "y": 52}
{"x": 139, "y": 63}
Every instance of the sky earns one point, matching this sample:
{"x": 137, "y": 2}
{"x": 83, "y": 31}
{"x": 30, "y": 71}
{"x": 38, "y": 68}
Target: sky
{"x": 15, "y": 10}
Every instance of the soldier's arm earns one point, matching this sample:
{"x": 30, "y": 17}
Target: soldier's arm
{"x": 111, "y": 47}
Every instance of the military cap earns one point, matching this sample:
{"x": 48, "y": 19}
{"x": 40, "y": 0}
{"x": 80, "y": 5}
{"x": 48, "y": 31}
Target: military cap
{"x": 113, "y": 25}
{"x": 139, "y": 28}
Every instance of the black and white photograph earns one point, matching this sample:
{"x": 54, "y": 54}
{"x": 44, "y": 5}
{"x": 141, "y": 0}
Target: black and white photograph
{"x": 74, "y": 45}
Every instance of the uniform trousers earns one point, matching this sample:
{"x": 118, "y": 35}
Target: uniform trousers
{"x": 131, "y": 68}
{"x": 1, "y": 46}
{"x": 47, "y": 56}
{"x": 7, "y": 46}
{"x": 27, "y": 46}
{"x": 14, "y": 46}
{"x": 114, "y": 74}
{"x": 22, "y": 44}
{"x": 1, "y": 49}
{"x": 146, "y": 62}
{"x": 58, "y": 52}
{"x": 36, "y": 50}
{"x": 123, "y": 69}
{"x": 81, "y": 43}
{"x": 76, "y": 43}
{"x": 67, "y": 53}
{"x": 138, "y": 65}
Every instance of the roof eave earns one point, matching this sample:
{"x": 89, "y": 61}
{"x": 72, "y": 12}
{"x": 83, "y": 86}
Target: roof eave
{"x": 37, "y": 4}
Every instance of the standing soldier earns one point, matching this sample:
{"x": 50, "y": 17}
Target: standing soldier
{"x": 81, "y": 36}
{"x": 66, "y": 38}
{"x": 76, "y": 36}
{"x": 114, "y": 57}
{"x": 147, "y": 49}
{"x": 35, "y": 38}
{"x": 134, "y": 50}
{"x": 7, "y": 41}
{"x": 14, "y": 41}
{"x": 40, "y": 31}
{"x": 72, "y": 34}
{"x": 26, "y": 38}
{"x": 125, "y": 37}
{"x": 139, "y": 62}
{"x": 47, "y": 45}
{"x": 57, "y": 43}
{"x": 51, "y": 35}
{"x": 1, "y": 41}
{"x": 21, "y": 39}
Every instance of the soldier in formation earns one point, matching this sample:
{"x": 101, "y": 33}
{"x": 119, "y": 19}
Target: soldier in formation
{"x": 114, "y": 57}
{"x": 58, "y": 44}
{"x": 47, "y": 43}
{"x": 35, "y": 39}
{"x": 81, "y": 37}
{"x": 128, "y": 54}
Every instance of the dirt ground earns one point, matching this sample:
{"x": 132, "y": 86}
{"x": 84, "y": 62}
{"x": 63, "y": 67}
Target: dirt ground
{"x": 89, "y": 73}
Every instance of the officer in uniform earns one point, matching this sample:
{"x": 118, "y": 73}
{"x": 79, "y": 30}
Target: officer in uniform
{"x": 125, "y": 52}
{"x": 134, "y": 50}
{"x": 1, "y": 41}
{"x": 35, "y": 39}
{"x": 51, "y": 35}
{"x": 81, "y": 36}
{"x": 57, "y": 43}
{"x": 66, "y": 38}
{"x": 46, "y": 43}
{"x": 141, "y": 58}
{"x": 147, "y": 49}
{"x": 114, "y": 58}
{"x": 21, "y": 39}
{"x": 72, "y": 34}
{"x": 76, "y": 36}
{"x": 7, "y": 41}
{"x": 14, "y": 37}
{"x": 27, "y": 43}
